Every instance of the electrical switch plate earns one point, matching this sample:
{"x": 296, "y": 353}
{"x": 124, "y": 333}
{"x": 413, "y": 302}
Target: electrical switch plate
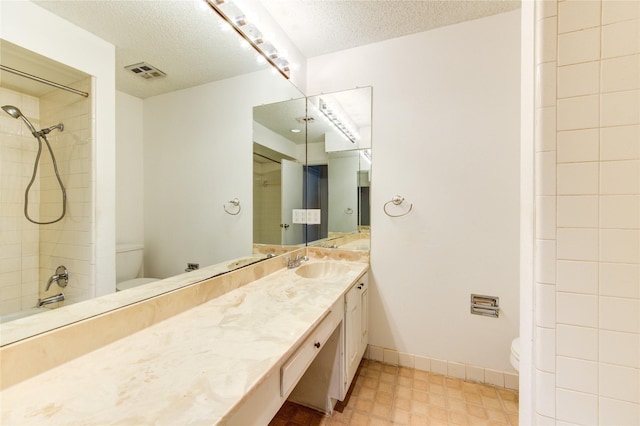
{"x": 299, "y": 216}
{"x": 313, "y": 216}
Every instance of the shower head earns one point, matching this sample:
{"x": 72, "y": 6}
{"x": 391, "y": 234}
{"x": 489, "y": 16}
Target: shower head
{"x": 16, "y": 113}
{"x": 12, "y": 111}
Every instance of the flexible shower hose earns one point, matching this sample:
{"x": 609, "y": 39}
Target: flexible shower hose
{"x": 33, "y": 178}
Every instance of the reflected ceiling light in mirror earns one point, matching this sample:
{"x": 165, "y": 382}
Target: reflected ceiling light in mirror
{"x": 339, "y": 119}
{"x": 250, "y": 32}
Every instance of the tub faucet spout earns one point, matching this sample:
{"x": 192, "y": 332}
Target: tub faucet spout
{"x": 51, "y": 299}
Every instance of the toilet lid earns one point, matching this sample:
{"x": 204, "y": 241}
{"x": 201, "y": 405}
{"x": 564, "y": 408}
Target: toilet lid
{"x": 124, "y": 285}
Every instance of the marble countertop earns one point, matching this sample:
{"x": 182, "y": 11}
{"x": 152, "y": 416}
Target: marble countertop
{"x": 194, "y": 368}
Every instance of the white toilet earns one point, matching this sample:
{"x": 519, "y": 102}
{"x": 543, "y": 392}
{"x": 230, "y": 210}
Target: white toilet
{"x": 128, "y": 265}
{"x": 515, "y": 353}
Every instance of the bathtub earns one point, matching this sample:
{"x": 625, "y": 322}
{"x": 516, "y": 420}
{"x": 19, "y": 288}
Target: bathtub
{"x": 20, "y": 314}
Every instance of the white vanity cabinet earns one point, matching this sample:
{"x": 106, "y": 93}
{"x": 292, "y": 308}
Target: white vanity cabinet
{"x": 356, "y": 326}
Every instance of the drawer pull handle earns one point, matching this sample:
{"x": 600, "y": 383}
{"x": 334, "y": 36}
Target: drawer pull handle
{"x": 360, "y": 286}
{"x": 316, "y": 344}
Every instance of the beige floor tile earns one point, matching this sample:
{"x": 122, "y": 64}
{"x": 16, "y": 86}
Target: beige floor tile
{"x": 387, "y": 395}
{"x": 386, "y": 387}
{"x": 406, "y": 372}
{"x": 400, "y": 416}
{"x": 402, "y": 403}
{"x": 384, "y": 398}
{"x": 381, "y": 410}
{"x": 404, "y": 392}
{"x": 365, "y": 405}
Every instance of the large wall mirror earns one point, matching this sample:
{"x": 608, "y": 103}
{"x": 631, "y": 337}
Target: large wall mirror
{"x": 319, "y": 195}
{"x": 219, "y": 128}
{"x": 193, "y": 130}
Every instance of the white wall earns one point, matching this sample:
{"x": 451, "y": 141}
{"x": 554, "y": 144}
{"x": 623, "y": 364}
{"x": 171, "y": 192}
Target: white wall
{"x": 198, "y": 155}
{"x": 129, "y": 169}
{"x": 446, "y": 137}
{"x": 55, "y": 38}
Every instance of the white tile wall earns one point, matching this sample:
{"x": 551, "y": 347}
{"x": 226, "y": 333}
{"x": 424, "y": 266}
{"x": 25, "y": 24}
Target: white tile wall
{"x": 589, "y": 322}
{"x": 19, "y": 257}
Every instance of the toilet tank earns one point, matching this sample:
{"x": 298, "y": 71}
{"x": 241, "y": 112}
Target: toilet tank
{"x": 128, "y": 261}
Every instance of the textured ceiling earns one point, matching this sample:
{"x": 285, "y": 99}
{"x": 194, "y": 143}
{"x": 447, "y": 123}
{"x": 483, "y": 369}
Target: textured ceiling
{"x": 183, "y": 38}
{"x": 318, "y": 27}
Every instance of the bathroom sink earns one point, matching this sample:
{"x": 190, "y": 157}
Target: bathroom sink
{"x": 321, "y": 269}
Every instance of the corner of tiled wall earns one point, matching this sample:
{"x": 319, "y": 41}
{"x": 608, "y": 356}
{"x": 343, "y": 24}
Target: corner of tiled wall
{"x": 545, "y": 208}
{"x": 587, "y": 336}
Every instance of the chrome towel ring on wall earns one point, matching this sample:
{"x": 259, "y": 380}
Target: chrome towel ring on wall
{"x": 236, "y": 205}
{"x": 396, "y": 201}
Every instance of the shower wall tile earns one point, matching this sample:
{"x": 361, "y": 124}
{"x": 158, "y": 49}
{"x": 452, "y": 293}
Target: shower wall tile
{"x": 546, "y": 118}
{"x": 620, "y": 245}
{"x": 578, "y": 211}
{"x": 545, "y": 173}
{"x": 577, "y": 309}
{"x": 578, "y": 178}
{"x": 620, "y": 211}
{"x": 18, "y": 240}
{"x": 545, "y": 266}
{"x": 619, "y": 10}
{"x": 582, "y": 112}
{"x": 577, "y": 342}
{"x": 577, "y": 374}
{"x": 620, "y": 280}
{"x": 545, "y": 393}
{"x": 545, "y": 357}
{"x": 577, "y": 277}
{"x": 579, "y": 46}
{"x": 546, "y": 48}
{"x": 620, "y": 383}
{"x": 619, "y": 348}
{"x": 620, "y": 143}
{"x": 545, "y": 307}
{"x": 577, "y": 244}
{"x": 546, "y": 218}
{"x": 578, "y": 15}
{"x": 576, "y": 407}
{"x": 579, "y": 79}
{"x": 619, "y": 314}
{"x": 616, "y": 412}
{"x": 621, "y": 39}
{"x": 620, "y": 73}
{"x": 620, "y": 108}
{"x": 578, "y": 146}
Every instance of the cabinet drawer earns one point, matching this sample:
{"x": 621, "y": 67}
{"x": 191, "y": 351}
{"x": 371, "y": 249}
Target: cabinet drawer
{"x": 297, "y": 364}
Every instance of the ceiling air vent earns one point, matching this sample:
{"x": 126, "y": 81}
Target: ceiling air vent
{"x": 146, "y": 71}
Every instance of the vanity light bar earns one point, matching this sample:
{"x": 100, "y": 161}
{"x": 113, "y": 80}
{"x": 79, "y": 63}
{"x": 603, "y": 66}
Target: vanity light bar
{"x": 338, "y": 120}
{"x": 248, "y": 31}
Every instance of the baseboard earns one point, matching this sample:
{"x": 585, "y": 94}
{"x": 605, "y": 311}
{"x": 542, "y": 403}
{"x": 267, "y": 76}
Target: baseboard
{"x": 458, "y": 370}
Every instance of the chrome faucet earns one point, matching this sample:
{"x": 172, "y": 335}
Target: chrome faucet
{"x": 293, "y": 263}
{"x": 51, "y": 299}
{"x": 62, "y": 274}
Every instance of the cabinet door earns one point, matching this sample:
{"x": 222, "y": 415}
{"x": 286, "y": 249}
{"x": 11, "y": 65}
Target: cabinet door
{"x": 364, "y": 313}
{"x": 353, "y": 336}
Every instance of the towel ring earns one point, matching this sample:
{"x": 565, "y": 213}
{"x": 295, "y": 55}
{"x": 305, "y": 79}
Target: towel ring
{"x": 348, "y": 210}
{"x": 396, "y": 201}
{"x": 236, "y": 203}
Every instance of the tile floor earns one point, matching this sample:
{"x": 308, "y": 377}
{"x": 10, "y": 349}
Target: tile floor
{"x": 389, "y": 395}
